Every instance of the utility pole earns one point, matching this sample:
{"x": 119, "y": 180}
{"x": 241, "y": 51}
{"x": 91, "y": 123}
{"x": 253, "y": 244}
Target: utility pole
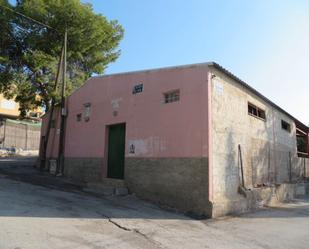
{"x": 60, "y": 164}
{"x": 51, "y": 114}
{"x": 62, "y": 62}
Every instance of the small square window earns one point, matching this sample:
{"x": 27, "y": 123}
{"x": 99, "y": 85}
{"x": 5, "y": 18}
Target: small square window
{"x": 252, "y": 109}
{"x": 256, "y": 112}
{"x": 79, "y": 117}
{"x": 285, "y": 126}
{"x": 172, "y": 96}
{"x": 261, "y": 114}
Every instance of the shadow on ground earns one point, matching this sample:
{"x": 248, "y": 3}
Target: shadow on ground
{"x": 27, "y": 192}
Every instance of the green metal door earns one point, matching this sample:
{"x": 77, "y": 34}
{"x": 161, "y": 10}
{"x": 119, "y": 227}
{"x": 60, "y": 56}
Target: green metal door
{"x": 116, "y": 150}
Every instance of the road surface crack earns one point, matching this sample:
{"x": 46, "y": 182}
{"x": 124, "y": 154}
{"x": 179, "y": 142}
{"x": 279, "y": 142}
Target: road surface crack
{"x": 118, "y": 225}
{"x": 157, "y": 244}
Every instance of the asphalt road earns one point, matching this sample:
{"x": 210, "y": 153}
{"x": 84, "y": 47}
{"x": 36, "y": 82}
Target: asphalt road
{"x": 38, "y": 211}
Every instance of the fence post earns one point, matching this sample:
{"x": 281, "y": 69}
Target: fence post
{"x": 305, "y": 173}
{"x": 4, "y": 133}
{"x": 26, "y": 142}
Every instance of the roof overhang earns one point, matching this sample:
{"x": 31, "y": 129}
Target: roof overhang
{"x": 257, "y": 93}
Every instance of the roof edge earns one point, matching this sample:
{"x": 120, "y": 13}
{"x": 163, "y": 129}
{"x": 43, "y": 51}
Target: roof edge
{"x": 253, "y": 90}
{"x": 209, "y": 64}
{"x": 139, "y": 71}
{"x": 155, "y": 69}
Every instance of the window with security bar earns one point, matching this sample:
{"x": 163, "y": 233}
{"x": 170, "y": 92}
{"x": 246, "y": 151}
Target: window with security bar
{"x": 171, "y": 96}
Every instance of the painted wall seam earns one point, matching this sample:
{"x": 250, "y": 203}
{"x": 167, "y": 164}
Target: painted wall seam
{"x": 209, "y": 137}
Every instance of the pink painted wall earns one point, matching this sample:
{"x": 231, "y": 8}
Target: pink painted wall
{"x": 177, "y": 129}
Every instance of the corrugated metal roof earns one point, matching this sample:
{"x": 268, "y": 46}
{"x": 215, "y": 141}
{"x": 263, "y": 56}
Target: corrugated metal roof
{"x": 254, "y": 91}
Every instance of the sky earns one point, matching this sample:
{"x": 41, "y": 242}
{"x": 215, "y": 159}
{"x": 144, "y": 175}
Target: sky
{"x": 263, "y": 42}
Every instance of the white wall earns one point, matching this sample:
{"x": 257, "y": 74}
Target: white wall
{"x": 266, "y": 147}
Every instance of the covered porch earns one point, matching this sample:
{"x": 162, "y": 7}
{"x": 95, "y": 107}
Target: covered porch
{"x": 302, "y": 137}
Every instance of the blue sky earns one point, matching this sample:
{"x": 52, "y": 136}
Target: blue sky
{"x": 265, "y": 43}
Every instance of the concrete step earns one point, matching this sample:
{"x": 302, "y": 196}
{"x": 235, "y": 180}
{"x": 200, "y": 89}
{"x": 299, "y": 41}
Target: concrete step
{"x": 113, "y": 182}
{"x": 300, "y": 190}
{"x": 102, "y": 188}
{"x": 99, "y": 189}
{"x": 121, "y": 191}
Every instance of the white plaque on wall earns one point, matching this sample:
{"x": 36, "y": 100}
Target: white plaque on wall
{"x": 219, "y": 88}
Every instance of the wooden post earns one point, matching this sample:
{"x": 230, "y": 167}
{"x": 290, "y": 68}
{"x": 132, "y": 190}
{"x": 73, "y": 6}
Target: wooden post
{"x": 241, "y": 167}
{"x": 51, "y": 113}
{"x": 26, "y": 137}
{"x": 307, "y": 143}
{"x": 290, "y": 168}
{"x": 305, "y": 174}
{"x": 4, "y": 133}
{"x": 269, "y": 178}
{"x": 60, "y": 167}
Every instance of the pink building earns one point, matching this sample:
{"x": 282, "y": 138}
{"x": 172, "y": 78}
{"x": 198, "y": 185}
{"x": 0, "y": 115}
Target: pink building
{"x": 173, "y": 136}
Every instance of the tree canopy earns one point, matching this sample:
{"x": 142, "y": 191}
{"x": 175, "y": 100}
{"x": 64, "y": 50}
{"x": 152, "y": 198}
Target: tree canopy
{"x": 29, "y": 52}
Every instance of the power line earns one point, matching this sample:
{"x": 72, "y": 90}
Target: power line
{"x": 27, "y": 17}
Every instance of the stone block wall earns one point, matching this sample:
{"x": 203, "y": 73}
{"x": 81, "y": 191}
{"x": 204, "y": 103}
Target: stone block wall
{"x": 84, "y": 169}
{"x": 180, "y": 183}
